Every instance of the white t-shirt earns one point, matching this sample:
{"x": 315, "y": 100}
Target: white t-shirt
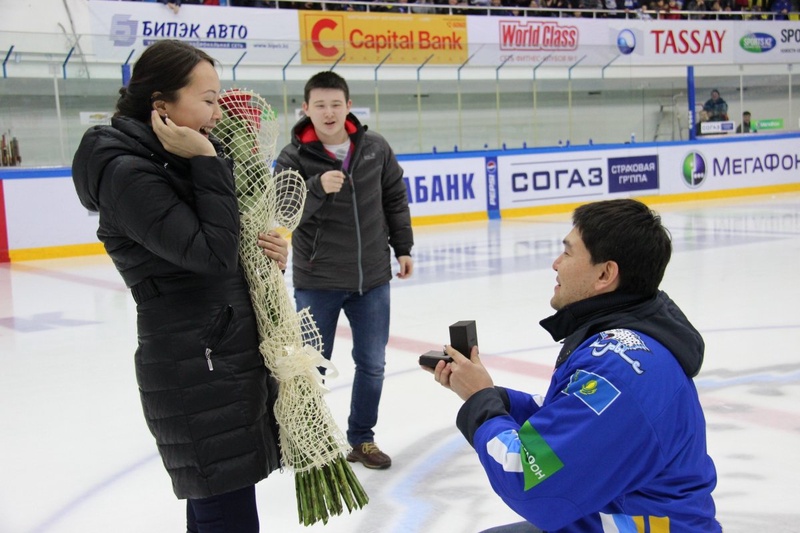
{"x": 339, "y": 150}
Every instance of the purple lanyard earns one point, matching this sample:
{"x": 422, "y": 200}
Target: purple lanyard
{"x": 346, "y": 161}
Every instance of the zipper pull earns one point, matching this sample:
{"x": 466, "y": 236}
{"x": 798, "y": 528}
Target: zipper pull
{"x": 208, "y": 358}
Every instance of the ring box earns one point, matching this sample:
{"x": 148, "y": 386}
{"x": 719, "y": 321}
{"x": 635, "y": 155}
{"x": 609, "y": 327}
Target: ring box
{"x": 463, "y": 336}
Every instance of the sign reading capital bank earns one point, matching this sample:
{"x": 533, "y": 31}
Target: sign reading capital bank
{"x": 374, "y": 38}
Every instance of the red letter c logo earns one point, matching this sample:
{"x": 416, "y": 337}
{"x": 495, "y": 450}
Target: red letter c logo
{"x": 323, "y": 24}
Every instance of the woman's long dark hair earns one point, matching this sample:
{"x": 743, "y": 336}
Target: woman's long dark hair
{"x": 160, "y": 72}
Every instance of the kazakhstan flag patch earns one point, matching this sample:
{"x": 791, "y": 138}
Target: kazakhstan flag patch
{"x": 593, "y": 390}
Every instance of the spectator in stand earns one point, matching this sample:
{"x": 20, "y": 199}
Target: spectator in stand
{"x": 630, "y": 7}
{"x": 338, "y": 5}
{"x": 741, "y": 6}
{"x": 572, "y": 6}
{"x": 533, "y": 10}
{"x": 781, "y": 9}
{"x": 715, "y": 11}
{"x": 516, "y": 7}
{"x": 716, "y": 107}
{"x": 422, "y": 7}
{"x": 702, "y": 116}
{"x": 565, "y": 6}
{"x": 497, "y": 9}
{"x": 298, "y": 5}
{"x": 455, "y": 7}
{"x": 546, "y": 6}
{"x": 725, "y": 10}
{"x": 398, "y": 6}
{"x": 175, "y": 5}
{"x": 745, "y": 126}
{"x": 755, "y": 13}
{"x": 643, "y": 13}
{"x": 699, "y": 8}
{"x": 760, "y": 8}
{"x": 658, "y": 8}
{"x": 611, "y": 9}
{"x": 594, "y": 5}
{"x": 250, "y": 3}
{"x": 673, "y": 11}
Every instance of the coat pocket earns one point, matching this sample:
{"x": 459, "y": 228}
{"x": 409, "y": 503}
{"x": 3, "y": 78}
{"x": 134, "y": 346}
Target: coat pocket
{"x": 218, "y": 329}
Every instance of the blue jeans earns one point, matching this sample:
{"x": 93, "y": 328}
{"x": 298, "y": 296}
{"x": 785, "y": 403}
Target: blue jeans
{"x": 368, "y": 314}
{"x": 224, "y": 513}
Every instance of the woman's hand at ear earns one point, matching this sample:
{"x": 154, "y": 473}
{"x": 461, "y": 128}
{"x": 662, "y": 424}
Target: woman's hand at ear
{"x": 180, "y": 140}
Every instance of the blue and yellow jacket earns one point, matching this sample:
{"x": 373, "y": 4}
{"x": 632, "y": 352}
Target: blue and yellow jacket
{"x": 618, "y": 443}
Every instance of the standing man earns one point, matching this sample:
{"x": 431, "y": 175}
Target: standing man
{"x": 618, "y": 442}
{"x": 355, "y": 214}
{"x": 781, "y": 9}
{"x": 745, "y": 126}
{"x": 716, "y": 107}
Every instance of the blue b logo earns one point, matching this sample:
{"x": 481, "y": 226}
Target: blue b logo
{"x": 123, "y": 30}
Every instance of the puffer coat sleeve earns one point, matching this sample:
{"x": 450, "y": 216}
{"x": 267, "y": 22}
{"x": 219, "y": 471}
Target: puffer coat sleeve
{"x": 200, "y": 238}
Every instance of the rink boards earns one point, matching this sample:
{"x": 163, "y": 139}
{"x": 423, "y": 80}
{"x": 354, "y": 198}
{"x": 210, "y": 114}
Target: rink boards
{"x": 40, "y": 215}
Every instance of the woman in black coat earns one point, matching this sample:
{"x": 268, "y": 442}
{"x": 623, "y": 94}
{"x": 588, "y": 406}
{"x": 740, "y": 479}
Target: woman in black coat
{"x": 169, "y": 219}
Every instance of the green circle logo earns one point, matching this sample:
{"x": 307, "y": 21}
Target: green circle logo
{"x": 694, "y": 169}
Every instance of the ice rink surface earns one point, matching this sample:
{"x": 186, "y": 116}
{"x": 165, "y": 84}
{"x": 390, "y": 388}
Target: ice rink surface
{"x": 78, "y": 458}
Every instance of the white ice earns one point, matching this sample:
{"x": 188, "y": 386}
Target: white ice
{"x": 78, "y": 458}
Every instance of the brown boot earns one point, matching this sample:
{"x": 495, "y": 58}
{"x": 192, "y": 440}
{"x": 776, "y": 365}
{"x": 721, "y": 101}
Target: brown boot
{"x": 368, "y": 454}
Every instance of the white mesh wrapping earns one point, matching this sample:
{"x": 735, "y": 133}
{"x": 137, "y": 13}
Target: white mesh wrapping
{"x": 289, "y": 341}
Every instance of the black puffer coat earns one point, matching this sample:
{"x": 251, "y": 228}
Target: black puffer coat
{"x": 343, "y": 240}
{"x": 171, "y": 226}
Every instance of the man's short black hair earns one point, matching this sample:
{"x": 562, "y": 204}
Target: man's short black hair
{"x": 327, "y": 79}
{"x": 629, "y": 233}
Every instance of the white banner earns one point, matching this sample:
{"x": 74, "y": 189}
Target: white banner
{"x": 566, "y": 42}
{"x": 542, "y": 42}
{"x": 539, "y": 179}
{"x": 266, "y": 36}
{"x": 444, "y": 185}
{"x": 46, "y": 212}
{"x": 775, "y": 41}
{"x": 539, "y": 42}
{"x": 733, "y": 164}
{"x": 273, "y": 37}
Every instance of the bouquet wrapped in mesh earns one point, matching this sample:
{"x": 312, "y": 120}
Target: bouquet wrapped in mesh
{"x": 311, "y": 443}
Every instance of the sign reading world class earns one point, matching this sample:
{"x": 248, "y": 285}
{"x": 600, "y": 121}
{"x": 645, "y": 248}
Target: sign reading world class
{"x": 373, "y": 38}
